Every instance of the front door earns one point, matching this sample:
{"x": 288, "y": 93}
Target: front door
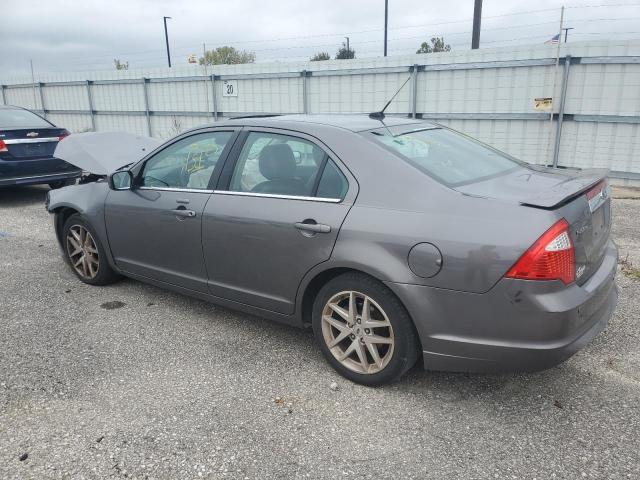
{"x": 276, "y": 218}
{"x": 155, "y": 229}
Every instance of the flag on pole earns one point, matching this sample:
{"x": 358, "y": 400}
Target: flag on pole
{"x": 554, "y": 39}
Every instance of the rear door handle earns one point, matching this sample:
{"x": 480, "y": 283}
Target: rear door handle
{"x": 180, "y": 212}
{"x": 313, "y": 227}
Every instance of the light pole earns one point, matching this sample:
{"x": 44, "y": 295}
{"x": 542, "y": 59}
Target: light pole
{"x": 566, "y": 33}
{"x": 166, "y": 38}
{"x": 348, "y": 51}
{"x": 386, "y": 21}
{"x": 477, "y": 17}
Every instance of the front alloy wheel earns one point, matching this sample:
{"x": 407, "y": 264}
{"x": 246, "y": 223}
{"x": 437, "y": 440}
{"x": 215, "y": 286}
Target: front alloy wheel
{"x": 82, "y": 251}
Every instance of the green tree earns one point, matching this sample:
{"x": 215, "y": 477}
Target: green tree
{"x": 227, "y": 56}
{"x": 120, "y": 65}
{"x": 437, "y": 45}
{"x": 345, "y": 53}
{"x": 320, "y": 56}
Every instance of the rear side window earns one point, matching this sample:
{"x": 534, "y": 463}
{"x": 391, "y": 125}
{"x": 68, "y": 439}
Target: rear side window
{"x": 277, "y": 165}
{"x": 18, "y": 118}
{"x": 449, "y": 157}
{"x": 333, "y": 183}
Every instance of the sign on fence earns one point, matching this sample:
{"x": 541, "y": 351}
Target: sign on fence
{"x": 543, "y": 104}
{"x": 230, "y": 88}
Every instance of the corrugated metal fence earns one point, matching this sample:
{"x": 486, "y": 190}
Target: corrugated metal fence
{"x": 494, "y": 95}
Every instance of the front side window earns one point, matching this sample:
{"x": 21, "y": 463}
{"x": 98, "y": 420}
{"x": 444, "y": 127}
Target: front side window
{"x": 277, "y": 164}
{"x": 449, "y": 157}
{"x": 188, "y": 163}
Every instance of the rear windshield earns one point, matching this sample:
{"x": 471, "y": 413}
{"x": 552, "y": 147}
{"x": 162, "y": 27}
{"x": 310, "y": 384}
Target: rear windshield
{"x": 449, "y": 157}
{"x": 18, "y": 118}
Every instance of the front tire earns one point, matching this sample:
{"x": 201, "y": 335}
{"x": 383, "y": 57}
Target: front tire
{"x": 61, "y": 183}
{"x": 363, "y": 330}
{"x": 85, "y": 254}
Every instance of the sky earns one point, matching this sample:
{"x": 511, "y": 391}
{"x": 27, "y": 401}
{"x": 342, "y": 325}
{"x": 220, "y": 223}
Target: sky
{"x": 79, "y": 35}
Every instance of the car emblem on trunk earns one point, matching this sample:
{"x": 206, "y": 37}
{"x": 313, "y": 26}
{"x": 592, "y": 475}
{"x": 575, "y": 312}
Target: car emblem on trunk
{"x": 32, "y": 134}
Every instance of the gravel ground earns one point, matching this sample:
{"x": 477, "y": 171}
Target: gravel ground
{"x": 166, "y": 386}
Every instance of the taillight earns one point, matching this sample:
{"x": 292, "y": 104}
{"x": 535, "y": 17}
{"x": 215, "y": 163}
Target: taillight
{"x": 595, "y": 190}
{"x": 62, "y": 136}
{"x": 551, "y": 257}
{"x": 3, "y": 146}
{"x": 597, "y": 195}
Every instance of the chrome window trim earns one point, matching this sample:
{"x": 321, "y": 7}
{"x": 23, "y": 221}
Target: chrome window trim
{"x": 176, "y": 189}
{"x": 284, "y": 197}
{"x": 14, "y": 141}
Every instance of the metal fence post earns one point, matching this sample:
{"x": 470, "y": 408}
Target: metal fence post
{"x": 146, "y": 104}
{"x": 4, "y": 98}
{"x": 414, "y": 90}
{"x": 214, "y": 97}
{"x": 91, "y": 110}
{"x": 44, "y": 110}
{"x": 563, "y": 97}
{"x": 305, "y": 93}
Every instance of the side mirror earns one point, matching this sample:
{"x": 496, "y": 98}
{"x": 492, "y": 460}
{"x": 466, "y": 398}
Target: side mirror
{"x": 121, "y": 180}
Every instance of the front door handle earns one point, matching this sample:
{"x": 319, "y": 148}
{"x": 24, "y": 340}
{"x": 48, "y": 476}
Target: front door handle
{"x": 181, "y": 212}
{"x": 313, "y": 227}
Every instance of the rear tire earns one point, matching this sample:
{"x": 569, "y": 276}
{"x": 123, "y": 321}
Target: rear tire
{"x": 363, "y": 330}
{"x": 85, "y": 253}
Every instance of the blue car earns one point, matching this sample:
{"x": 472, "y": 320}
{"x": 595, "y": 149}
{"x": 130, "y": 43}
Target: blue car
{"x": 27, "y": 143}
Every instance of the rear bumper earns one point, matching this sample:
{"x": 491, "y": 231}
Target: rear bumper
{"x": 518, "y": 325}
{"x": 35, "y": 171}
{"x": 39, "y": 179}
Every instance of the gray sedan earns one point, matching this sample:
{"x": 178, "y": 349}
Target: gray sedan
{"x": 393, "y": 238}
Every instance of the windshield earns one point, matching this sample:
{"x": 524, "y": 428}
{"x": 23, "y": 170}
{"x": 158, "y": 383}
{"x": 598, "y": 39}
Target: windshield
{"x": 449, "y": 157}
{"x": 18, "y": 118}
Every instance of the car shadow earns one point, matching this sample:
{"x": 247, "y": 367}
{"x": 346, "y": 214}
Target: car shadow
{"x": 22, "y": 196}
{"x": 450, "y": 386}
{"x": 518, "y": 390}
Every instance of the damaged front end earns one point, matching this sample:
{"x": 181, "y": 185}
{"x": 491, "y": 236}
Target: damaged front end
{"x": 100, "y": 153}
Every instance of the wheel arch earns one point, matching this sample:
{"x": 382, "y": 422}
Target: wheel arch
{"x": 61, "y": 214}
{"x": 319, "y": 276}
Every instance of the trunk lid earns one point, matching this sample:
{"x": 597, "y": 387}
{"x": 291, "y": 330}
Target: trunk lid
{"x": 582, "y": 197}
{"x": 30, "y": 143}
{"x": 589, "y": 217}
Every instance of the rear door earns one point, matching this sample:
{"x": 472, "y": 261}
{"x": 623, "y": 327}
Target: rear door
{"x": 275, "y": 215}
{"x": 155, "y": 228}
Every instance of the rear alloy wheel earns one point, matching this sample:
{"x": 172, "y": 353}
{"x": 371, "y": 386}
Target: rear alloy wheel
{"x": 358, "y": 332}
{"x": 363, "y": 330}
{"x": 85, "y": 254}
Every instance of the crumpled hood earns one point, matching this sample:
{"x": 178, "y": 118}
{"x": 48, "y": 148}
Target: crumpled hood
{"x": 103, "y": 153}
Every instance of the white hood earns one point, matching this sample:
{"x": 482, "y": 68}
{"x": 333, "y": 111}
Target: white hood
{"x": 104, "y": 152}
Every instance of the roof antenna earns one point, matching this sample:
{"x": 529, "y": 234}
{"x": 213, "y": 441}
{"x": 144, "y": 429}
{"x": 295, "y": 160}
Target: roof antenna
{"x": 380, "y": 115}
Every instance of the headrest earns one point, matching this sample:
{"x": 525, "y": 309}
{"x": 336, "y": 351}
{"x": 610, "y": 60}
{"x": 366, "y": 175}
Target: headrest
{"x": 277, "y": 162}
